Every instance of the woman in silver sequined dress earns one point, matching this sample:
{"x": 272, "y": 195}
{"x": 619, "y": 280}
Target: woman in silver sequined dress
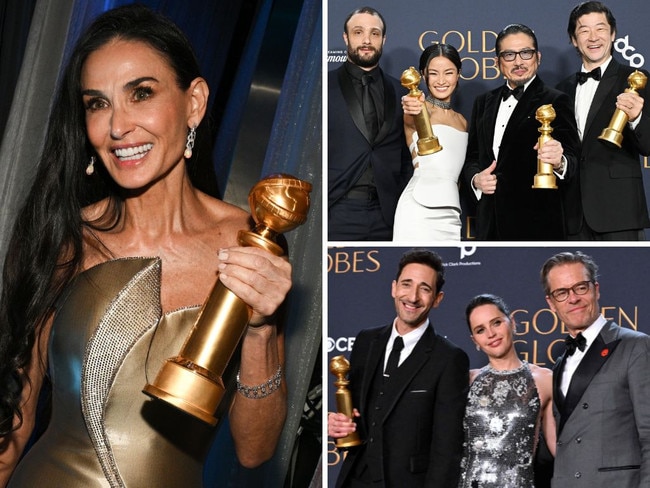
{"x": 509, "y": 401}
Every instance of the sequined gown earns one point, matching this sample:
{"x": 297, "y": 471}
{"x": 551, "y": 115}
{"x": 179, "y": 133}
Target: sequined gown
{"x": 500, "y": 429}
{"x": 108, "y": 340}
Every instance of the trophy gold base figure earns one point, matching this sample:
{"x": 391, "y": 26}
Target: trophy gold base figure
{"x": 427, "y": 141}
{"x": 192, "y": 381}
{"x": 545, "y": 179}
{"x": 613, "y": 133}
{"x": 339, "y": 366}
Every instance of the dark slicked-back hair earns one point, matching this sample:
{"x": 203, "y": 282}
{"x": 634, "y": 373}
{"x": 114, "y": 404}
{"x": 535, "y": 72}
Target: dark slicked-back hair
{"x": 434, "y": 50}
{"x": 486, "y": 299}
{"x": 568, "y": 258}
{"x": 365, "y": 10}
{"x": 428, "y": 258}
{"x": 514, "y": 29}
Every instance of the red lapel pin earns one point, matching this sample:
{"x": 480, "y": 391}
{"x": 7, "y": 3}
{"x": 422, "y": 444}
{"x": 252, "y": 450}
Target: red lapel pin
{"x": 604, "y": 353}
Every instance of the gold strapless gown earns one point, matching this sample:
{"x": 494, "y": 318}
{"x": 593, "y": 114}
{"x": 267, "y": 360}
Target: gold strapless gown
{"x": 108, "y": 340}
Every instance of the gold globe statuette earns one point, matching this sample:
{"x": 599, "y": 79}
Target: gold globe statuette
{"x": 192, "y": 381}
{"x": 339, "y": 367}
{"x": 613, "y": 133}
{"x": 545, "y": 179}
{"x": 427, "y": 140}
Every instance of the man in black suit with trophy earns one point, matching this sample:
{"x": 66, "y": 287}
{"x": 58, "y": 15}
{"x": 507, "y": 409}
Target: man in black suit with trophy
{"x": 409, "y": 386}
{"x": 368, "y": 161}
{"x": 611, "y": 203}
{"x": 504, "y": 153}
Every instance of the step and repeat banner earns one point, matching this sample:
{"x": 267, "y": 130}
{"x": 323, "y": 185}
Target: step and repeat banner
{"x": 472, "y": 27}
{"x": 359, "y": 297}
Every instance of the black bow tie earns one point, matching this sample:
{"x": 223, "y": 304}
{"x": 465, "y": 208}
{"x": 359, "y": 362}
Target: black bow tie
{"x": 583, "y": 76}
{"x": 517, "y": 92}
{"x": 572, "y": 343}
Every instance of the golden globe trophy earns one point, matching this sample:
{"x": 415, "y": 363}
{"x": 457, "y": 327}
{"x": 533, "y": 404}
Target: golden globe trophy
{"x": 427, "y": 141}
{"x": 613, "y": 133}
{"x": 544, "y": 178}
{"x": 339, "y": 366}
{"x": 192, "y": 381}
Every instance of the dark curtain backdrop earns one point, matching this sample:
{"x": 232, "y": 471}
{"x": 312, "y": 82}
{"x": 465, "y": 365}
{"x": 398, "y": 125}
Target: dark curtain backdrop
{"x": 262, "y": 60}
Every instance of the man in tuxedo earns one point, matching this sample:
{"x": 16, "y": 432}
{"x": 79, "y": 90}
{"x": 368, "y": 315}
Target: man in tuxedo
{"x": 410, "y": 387}
{"x": 610, "y": 204}
{"x": 503, "y": 150}
{"x": 601, "y": 385}
{"x": 368, "y": 161}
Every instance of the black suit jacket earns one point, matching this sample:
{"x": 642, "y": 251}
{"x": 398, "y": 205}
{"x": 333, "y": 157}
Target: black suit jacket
{"x": 611, "y": 180}
{"x": 422, "y": 429}
{"x": 349, "y": 148}
{"x": 516, "y": 211}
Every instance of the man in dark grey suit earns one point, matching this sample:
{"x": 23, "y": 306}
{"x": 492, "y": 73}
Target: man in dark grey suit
{"x": 601, "y": 385}
{"x": 411, "y": 417}
{"x": 611, "y": 203}
{"x": 368, "y": 161}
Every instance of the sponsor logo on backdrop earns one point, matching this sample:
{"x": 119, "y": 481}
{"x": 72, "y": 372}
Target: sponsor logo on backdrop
{"x": 622, "y": 46}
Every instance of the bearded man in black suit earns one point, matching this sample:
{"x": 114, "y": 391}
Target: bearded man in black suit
{"x": 368, "y": 161}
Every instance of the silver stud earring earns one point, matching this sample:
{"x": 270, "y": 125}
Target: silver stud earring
{"x": 189, "y": 145}
{"x": 90, "y": 169}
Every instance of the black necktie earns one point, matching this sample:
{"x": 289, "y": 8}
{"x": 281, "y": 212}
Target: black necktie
{"x": 393, "y": 359}
{"x": 368, "y": 106}
{"x": 572, "y": 343}
{"x": 517, "y": 92}
{"x": 583, "y": 76}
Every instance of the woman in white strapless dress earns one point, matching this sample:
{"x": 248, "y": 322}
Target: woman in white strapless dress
{"x": 429, "y": 208}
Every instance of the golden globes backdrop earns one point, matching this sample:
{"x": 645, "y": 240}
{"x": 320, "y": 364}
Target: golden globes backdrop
{"x": 359, "y": 297}
{"x": 472, "y": 26}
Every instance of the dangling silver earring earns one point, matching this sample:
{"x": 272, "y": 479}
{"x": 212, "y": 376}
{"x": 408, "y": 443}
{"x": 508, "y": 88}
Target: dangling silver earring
{"x": 90, "y": 169}
{"x": 189, "y": 145}
{"x": 478, "y": 348}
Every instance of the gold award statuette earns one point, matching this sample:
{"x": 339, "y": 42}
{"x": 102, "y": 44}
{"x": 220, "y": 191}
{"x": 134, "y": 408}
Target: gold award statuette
{"x": 192, "y": 381}
{"x": 427, "y": 141}
{"x": 339, "y": 366}
{"x": 545, "y": 178}
{"x": 613, "y": 133}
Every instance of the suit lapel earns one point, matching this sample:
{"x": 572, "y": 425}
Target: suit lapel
{"x": 597, "y": 355}
{"x": 605, "y": 86}
{"x": 352, "y": 102}
{"x": 492, "y": 103}
{"x": 375, "y": 357}
{"x": 399, "y": 382}
{"x": 390, "y": 106}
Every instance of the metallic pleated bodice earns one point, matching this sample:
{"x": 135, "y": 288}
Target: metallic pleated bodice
{"x": 108, "y": 339}
{"x": 500, "y": 428}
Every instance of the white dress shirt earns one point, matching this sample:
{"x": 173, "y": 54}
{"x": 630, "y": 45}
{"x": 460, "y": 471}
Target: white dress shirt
{"x": 572, "y": 362}
{"x": 410, "y": 340}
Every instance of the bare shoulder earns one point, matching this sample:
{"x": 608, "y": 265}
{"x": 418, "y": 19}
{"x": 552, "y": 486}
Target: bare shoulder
{"x": 543, "y": 378}
{"x": 473, "y": 373}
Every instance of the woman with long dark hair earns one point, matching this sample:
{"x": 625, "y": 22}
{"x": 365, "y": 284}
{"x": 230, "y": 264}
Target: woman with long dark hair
{"x": 110, "y": 258}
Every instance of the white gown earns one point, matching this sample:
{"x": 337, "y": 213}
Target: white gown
{"x": 429, "y": 208}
